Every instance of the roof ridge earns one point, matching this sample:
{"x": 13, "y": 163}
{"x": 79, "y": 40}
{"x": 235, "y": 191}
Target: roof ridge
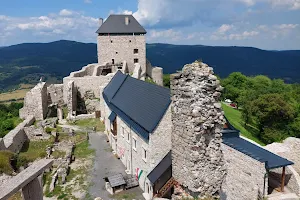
{"x": 119, "y": 87}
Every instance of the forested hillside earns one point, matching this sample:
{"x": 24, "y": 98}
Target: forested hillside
{"x": 25, "y": 63}
{"x": 270, "y": 109}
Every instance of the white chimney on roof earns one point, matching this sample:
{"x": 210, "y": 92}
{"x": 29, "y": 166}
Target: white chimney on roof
{"x": 100, "y": 21}
{"x": 126, "y": 20}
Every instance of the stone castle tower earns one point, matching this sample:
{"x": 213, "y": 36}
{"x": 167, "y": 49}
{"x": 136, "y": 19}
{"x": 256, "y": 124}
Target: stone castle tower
{"x": 122, "y": 38}
{"x": 197, "y": 117}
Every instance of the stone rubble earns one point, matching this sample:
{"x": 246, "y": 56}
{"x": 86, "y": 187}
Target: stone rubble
{"x": 197, "y": 159}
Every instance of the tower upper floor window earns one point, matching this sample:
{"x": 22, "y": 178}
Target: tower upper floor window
{"x": 135, "y": 51}
{"x": 136, "y": 60}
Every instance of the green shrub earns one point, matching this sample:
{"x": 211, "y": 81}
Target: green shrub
{"x": 5, "y": 166}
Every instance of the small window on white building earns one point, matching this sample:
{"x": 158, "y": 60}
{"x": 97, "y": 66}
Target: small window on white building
{"x": 122, "y": 131}
{"x": 116, "y": 52}
{"x": 144, "y": 154}
{"x": 111, "y": 41}
{"x": 136, "y": 60}
{"x": 129, "y": 40}
{"x": 134, "y": 144}
{"x": 128, "y": 137}
{"x": 135, "y": 51}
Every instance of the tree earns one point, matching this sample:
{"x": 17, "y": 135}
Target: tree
{"x": 166, "y": 80}
{"x": 272, "y": 111}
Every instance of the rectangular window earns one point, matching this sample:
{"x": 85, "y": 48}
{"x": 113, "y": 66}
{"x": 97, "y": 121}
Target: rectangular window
{"x": 134, "y": 144}
{"x": 136, "y": 60}
{"x": 122, "y": 131}
{"x": 128, "y": 137}
{"x": 145, "y": 155}
{"x": 135, "y": 51}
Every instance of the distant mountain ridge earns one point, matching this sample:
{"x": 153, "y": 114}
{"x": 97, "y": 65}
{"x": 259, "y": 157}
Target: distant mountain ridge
{"x": 26, "y": 62}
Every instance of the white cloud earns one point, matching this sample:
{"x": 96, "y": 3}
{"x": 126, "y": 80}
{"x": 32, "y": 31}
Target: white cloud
{"x": 286, "y": 26}
{"x": 87, "y": 1}
{"x": 224, "y": 28}
{"x": 247, "y": 2}
{"x": 158, "y": 13}
{"x": 51, "y": 27}
{"x": 243, "y": 36}
{"x": 291, "y": 4}
{"x": 127, "y": 12}
{"x": 65, "y": 12}
{"x": 170, "y": 34}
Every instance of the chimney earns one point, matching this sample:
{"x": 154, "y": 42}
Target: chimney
{"x": 126, "y": 20}
{"x": 100, "y": 21}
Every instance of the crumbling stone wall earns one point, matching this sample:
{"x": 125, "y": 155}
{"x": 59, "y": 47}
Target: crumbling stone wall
{"x": 71, "y": 97}
{"x": 197, "y": 159}
{"x": 55, "y": 94}
{"x": 244, "y": 178}
{"x": 15, "y": 139}
{"x": 35, "y": 102}
{"x": 157, "y": 75}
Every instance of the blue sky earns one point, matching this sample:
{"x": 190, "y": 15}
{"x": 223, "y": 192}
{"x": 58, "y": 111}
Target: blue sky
{"x": 266, "y": 24}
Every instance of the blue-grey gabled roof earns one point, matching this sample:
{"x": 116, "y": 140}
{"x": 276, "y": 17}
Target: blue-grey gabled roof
{"x": 115, "y": 24}
{"x": 140, "y": 104}
{"x": 231, "y": 137}
{"x": 160, "y": 168}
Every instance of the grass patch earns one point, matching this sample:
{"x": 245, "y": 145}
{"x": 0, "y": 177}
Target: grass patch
{"x": 58, "y": 154}
{"x": 82, "y": 150}
{"x": 124, "y": 195}
{"x": 34, "y": 150}
{"x": 10, "y": 96}
{"x": 89, "y": 123}
{"x": 234, "y": 116}
{"x": 5, "y": 166}
{"x": 17, "y": 196}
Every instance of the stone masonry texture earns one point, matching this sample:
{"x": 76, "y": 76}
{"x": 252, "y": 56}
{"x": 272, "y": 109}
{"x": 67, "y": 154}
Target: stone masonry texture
{"x": 121, "y": 48}
{"x": 244, "y": 178}
{"x": 197, "y": 117}
{"x": 35, "y": 102}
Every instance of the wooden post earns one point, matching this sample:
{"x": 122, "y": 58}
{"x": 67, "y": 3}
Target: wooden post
{"x": 282, "y": 179}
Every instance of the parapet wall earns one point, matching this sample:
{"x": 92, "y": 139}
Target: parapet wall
{"x": 197, "y": 159}
{"x": 15, "y": 139}
{"x": 87, "y": 83}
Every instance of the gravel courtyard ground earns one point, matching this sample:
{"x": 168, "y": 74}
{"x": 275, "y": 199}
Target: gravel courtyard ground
{"x": 106, "y": 164}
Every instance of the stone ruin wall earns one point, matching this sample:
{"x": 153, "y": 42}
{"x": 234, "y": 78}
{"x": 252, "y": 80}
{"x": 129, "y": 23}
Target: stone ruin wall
{"x": 242, "y": 181}
{"x": 14, "y": 140}
{"x": 35, "y": 102}
{"x": 55, "y": 94}
{"x": 156, "y": 73}
{"x": 197, "y": 117}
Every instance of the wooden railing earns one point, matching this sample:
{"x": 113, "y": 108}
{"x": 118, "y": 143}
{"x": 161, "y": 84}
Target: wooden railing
{"x": 170, "y": 183}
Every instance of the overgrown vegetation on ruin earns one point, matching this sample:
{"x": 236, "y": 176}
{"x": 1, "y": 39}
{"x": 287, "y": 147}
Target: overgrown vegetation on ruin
{"x": 270, "y": 109}
{"x": 9, "y": 117}
{"x": 90, "y": 123}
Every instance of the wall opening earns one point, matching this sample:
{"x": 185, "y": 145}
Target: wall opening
{"x": 135, "y": 51}
{"x": 113, "y": 61}
{"x": 136, "y": 60}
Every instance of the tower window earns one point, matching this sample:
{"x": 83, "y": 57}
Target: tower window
{"x": 116, "y": 52}
{"x": 136, "y": 60}
{"x": 129, "y": 40}
{"x": 135, "y": 51}
{"x": 113, "y": 61}
{"x": 111, "y": 41}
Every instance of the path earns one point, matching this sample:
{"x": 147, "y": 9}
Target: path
{"x": 106, "y": 164}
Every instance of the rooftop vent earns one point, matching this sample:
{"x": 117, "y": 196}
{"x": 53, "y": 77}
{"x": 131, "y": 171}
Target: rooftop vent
{"x": 126, "y": 20}
{"x": 100, "y": 21}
